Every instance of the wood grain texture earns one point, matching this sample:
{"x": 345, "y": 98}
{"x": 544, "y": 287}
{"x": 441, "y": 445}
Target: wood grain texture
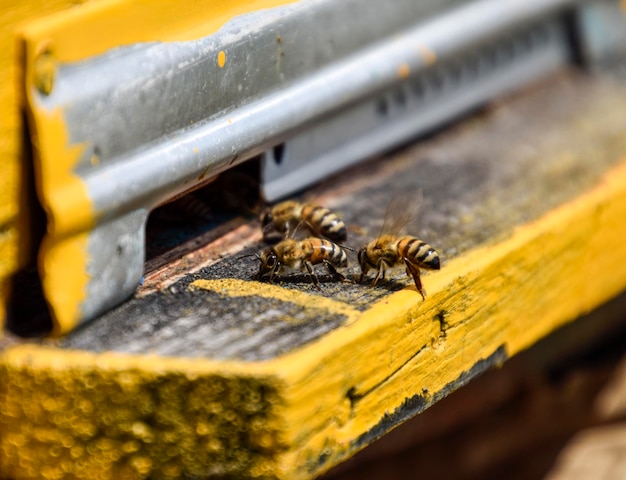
{"x": 525, "y": 204}
{"x": 513, "y": 421}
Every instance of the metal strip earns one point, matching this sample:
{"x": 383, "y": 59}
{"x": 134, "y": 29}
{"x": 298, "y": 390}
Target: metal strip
{"x": 174, "y": 164}
{"x": 156, "y": 119}
{"x": 416, "y": 105}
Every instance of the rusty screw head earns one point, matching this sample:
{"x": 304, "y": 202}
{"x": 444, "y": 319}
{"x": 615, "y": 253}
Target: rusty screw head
{"x": 44, "y": 71}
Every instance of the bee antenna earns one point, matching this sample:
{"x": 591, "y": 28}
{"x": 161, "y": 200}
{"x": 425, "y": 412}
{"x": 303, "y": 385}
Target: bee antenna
{"x": 250, "y": 255}
{"x": 268, "y": 227}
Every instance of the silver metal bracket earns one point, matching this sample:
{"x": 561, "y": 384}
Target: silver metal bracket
{"x": 433, "y": 95}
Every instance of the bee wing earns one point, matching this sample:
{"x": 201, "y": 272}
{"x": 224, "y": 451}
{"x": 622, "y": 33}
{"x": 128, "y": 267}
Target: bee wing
{"x": 401, "y": 213}
{"x": 301, "y": 230}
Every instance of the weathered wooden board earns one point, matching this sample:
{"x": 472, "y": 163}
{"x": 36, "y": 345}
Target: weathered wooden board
{"x": 216, "y": 374}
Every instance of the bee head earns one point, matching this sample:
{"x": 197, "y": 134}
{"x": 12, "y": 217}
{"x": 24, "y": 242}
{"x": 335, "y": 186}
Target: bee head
{"x": 269, "y": 261}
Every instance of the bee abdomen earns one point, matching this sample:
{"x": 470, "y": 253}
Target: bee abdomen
{"x": 325, "y": 222}
{"x": 419, "y": 252}
{"x": 340, "y": 258}
{"x": 322, "y": 249}
{"x": 194, "y": 207}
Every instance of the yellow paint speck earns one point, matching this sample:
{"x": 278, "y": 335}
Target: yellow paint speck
{"x": 195, "y": 150}
{"x": 404, "y": 70}
{"x": 427, "y": 54}
{"x": 230, "y": 121}
{"x": 221, "y": 58}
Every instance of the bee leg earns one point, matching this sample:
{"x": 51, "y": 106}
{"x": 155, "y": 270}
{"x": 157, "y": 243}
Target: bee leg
{"x": 267, "y": 230}
{"x": 414, "y": 272}
{"x": 381, "y": 272}
{"x": 333, "y": 271}
{"x": 364, "y": 270}
{"x": 309, "y": 268}
{"x": 271, "y": 234}
{"x": 274, "y": 271}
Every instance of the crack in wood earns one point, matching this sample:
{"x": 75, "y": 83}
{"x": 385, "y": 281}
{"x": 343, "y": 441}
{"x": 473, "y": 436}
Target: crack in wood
{"x": 354, "y": 397}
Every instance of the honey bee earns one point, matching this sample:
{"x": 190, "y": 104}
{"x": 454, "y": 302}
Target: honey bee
{"x": 300, "y": 254}
{"x": 392, "y": 250}
{"x": 194, "y": 208}
{"x": 287, "y": 216}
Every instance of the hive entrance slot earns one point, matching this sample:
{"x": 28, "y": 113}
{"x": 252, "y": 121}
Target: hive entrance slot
{"x": 202, "y": 215}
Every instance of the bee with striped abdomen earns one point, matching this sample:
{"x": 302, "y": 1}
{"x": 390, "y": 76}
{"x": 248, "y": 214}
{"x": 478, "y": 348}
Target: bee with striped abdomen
{"x": 392, "y": 250}
{"x": 287, "y": 216}
{"x": 300, "y": 254}
{"x": 194, "y": 207}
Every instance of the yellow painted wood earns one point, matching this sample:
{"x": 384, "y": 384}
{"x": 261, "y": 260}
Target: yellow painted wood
{"x": 72, "y": 35}
{"x": 508, "y": 294}
{"x": 239, "y": 288}
{"x": 14, "y": 240}
{"x": 138, "y": 416}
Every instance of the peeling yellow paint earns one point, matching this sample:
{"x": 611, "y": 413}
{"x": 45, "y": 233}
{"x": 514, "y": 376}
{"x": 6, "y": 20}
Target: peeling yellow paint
{"x": 63, "y": 195}
{"x": 64, "y": 263}
{"x": 63, "y": 256}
